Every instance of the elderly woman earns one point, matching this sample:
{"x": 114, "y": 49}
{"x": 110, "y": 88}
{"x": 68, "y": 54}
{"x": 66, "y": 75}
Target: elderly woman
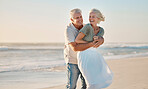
{"x": 92, "y": 65}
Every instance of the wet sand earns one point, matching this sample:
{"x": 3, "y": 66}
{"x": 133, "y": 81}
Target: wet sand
{"x": 129, "y": 73}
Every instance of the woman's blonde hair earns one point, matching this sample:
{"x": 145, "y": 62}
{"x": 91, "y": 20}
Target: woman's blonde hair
{"x": 98, "y": 14}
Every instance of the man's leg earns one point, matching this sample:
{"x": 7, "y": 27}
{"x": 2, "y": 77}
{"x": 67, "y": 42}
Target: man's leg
{"x": 83, "y": 82}
{"x": 72, "y": 74}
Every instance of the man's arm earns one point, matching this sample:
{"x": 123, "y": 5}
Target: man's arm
{"x": 81, "y": 46}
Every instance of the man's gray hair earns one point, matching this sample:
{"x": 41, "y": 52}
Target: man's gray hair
{"x": 73, "y": 11}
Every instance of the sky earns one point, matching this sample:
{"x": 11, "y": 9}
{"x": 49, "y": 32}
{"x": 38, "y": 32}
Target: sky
{"x": 44, "y": 21}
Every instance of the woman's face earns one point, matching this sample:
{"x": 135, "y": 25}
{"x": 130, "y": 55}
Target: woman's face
{"x": 93, "y": 19}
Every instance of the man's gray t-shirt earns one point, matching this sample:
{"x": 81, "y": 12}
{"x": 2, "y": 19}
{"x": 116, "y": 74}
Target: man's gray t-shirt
{"x": 71, "y": 32}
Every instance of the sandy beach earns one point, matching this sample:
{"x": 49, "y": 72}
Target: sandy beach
{"x": 129, "y": 73}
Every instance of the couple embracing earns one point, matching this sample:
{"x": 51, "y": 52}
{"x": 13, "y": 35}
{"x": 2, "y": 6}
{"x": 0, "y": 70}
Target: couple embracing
{"x": 81, "y": 55}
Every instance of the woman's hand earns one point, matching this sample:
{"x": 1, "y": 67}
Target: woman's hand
{"x": 96, "y": 38}
{"x": 98, "y": 42}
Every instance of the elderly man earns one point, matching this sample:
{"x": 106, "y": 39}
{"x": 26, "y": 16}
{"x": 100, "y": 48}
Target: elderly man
{"x": 71, "y": 47}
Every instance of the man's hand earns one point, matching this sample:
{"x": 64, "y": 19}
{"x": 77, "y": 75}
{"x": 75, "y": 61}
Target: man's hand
{"x": 98, "y": 42}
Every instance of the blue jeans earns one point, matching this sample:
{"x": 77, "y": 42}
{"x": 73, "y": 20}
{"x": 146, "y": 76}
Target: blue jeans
{"x": 73, "y": 73}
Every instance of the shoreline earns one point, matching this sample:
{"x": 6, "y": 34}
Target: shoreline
{"x": 129, "y": 73}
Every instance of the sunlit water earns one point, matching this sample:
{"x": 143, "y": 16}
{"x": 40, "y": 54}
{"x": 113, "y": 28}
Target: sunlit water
{"x": 29, "y": 66}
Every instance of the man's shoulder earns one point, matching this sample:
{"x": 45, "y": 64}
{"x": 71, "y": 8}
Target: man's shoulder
{"x": 69, "y": 30}
{"x": 69, "y": 27}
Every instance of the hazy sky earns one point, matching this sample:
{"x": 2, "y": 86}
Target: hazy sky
{"x": 46, "y": 20}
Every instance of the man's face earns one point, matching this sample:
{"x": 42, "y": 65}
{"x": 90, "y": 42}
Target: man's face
{"x": 77, "y": 19}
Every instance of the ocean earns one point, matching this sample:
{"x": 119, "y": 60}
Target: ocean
{"x": 29, "y": 65}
